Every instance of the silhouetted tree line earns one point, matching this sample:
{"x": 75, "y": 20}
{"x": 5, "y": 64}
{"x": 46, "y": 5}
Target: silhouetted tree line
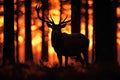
{"x": 8, "y": 47}
{"x": 104, "y": 27}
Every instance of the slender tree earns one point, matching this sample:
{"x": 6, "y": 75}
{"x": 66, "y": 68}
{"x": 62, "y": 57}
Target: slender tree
{"x": 105, "y": 30}
{"x": 8, "y": 47}
{"x": 44, "y": 43}
{"x": 17, "y": 33}
{"x": 28, "y": 45}
{"x": 86, "y": 18}
{"x": 75, "y": 16}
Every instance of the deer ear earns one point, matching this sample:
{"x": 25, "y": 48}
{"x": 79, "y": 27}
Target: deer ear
{"x": 62, "y": 25}
{"x": 50, "y": 25}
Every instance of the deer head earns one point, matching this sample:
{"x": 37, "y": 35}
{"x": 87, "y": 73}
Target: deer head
{"x": 50, "y": 22}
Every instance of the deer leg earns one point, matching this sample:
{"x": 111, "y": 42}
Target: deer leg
{"x": 85, "y": 53}
{"x": 60, "y": 60}
{"x": 80, "y": 59}
{"x": 66, "y": 60}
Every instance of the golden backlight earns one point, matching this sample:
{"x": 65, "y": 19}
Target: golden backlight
{"x": 57, "y": 11}
{"x": 118, "y": 34}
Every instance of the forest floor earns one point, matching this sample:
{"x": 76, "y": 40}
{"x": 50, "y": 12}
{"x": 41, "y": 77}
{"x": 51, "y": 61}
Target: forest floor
{"x": 36, "y": 72}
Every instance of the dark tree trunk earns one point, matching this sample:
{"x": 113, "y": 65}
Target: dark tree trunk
{"x": 105, "y": 30}
{"x": 8, "y": 48}
{"x": 86, "y": 18}
{"x": 61, "y": 3}
{"x": 28, "y": 45}
{"x": 75, "y": 24}
{"x": 44, "y": 43}
{"x": 17, "y": 33}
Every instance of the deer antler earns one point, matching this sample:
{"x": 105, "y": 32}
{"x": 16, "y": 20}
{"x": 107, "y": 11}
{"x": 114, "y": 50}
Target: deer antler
{"x": 51, "y": 18}
{"x": 37, "y": 8}
{"x": 65, "y": 21}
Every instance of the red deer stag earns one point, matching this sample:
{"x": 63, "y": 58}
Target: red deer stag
{"x": 66, "y": 44}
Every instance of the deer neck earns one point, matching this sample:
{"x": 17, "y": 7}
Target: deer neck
{"x": 57, "y": 38}
{"x": 56, "y": 35}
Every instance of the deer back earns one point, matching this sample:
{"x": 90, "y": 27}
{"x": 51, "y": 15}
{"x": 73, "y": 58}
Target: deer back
{"x": 75, "y": 43}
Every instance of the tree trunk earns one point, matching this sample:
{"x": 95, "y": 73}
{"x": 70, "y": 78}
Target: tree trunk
{"x": 17, "y": 33}
{"x": 86, "y": 18}
{"x": 28, "y": 45}
{"x": 75, "y": 24}
{"x": 105, "y": 30}
{"x": 8, "y": 48}
{"x": 44, "y": 43}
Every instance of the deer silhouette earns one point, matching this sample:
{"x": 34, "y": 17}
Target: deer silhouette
{"x": 66, "y": 44}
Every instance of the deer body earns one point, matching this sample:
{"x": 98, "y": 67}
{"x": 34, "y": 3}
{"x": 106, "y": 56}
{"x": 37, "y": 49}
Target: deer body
{"x": 66, "y": 44}
{"x": 70, "y": 45}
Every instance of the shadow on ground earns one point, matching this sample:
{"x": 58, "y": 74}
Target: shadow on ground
{"x": 37, "y": 72}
